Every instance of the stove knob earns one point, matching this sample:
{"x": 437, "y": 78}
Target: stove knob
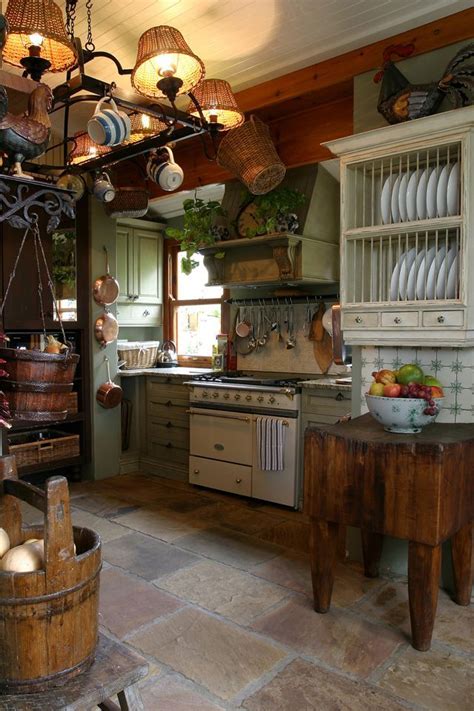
{"x": 260, "y": 398}
{"x": 226, "y": 396}
{"x": 215, "y": 395}
{"x": 237, "y": 396}
{"x": 271, "y": 399}
{"x": 205, "y": 394}
{"x": 248, "y": 398}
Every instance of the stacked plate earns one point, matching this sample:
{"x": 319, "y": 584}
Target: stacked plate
{"x": 421, "y": 194}
{"x": 427, "y": 274}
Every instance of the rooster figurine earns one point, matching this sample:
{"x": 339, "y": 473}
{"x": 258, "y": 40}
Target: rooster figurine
{"x": 399, "y": 100}
{"x": 25, "y": 137}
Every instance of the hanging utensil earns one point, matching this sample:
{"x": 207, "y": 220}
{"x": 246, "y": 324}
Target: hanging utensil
{"x": 106, "y": 328}
{"x": 291, "y": 340}
{"x": 106, "y": 288}
{"x": 109, "y": 394}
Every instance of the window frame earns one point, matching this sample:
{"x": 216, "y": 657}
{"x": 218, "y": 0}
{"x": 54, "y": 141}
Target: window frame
{"x": 171, "y": 303}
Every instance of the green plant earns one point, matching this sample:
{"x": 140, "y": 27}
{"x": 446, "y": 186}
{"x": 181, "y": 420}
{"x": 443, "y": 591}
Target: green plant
{"x": 64, "y": 258}
{"x": 274, "y": 205}
{"x": 198, "y": 222}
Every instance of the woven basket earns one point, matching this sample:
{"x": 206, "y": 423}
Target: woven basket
{"x": 128, "y": 202}
{"x": 138, "y": 354}
{"x": 248, "y": 152}
{"x": 43, "y": 446}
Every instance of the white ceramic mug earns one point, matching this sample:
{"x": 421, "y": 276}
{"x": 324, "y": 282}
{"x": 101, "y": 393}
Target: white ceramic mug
{"x": 103, "y": 189}
{"x": 109, "y": 127}
{"x": 165, "y": 173}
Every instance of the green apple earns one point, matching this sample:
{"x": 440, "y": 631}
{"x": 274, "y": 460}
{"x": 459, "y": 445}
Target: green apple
{"x": 431, "y": 380}
{"x": 376, "y": 389}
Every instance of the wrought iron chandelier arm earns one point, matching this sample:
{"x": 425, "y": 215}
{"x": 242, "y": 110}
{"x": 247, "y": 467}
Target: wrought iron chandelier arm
{"x": 89, "y": 56}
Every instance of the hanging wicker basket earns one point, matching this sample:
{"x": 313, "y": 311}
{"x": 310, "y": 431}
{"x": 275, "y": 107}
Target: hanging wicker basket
{"x": 248, "y": 152}
{"x": 128, "y": 202}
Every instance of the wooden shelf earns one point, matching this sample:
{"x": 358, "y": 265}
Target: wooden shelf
{"x": 28, "y": 425}
{"x": 52, "y": 465}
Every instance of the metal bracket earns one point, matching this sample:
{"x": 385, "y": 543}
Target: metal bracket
{"x": 22, "y": 201}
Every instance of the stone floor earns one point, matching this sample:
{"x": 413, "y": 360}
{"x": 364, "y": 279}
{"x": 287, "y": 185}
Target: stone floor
{"x": 215, "y": 592}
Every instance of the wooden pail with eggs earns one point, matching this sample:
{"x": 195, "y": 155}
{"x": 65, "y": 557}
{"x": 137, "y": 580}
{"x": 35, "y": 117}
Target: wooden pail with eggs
{"x": 48, "y": 617}
{"x": 38, "y": 384}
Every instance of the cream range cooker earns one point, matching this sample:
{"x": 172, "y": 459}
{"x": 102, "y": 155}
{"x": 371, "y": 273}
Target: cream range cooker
{"x": 224, "y": 442}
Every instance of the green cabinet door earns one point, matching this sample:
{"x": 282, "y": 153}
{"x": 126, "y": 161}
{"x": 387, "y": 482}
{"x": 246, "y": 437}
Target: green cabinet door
{"x": 124, "y": 264}
{"x": 148, "y": 266}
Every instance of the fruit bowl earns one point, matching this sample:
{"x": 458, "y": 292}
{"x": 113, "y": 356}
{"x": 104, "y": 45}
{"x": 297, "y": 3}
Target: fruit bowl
{"x": 402, "y": 415}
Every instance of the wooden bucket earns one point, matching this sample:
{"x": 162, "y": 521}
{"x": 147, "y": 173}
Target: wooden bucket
{"x": 38, "y": 384}
{"x": 48, "y": 618}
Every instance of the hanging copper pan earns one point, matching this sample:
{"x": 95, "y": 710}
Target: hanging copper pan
{"x": 106, "y": 328}
{"x": 106, "y": 288}
{"x": 109, "y": 394}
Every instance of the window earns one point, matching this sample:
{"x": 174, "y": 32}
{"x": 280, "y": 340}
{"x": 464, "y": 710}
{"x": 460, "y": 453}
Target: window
{"x": 195, "y": 313}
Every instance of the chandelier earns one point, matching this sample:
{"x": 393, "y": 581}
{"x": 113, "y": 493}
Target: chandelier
{"x": 40, "y": 41}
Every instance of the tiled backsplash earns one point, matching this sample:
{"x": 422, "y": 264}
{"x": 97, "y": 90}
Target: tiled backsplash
{"x": 454, "y": 367}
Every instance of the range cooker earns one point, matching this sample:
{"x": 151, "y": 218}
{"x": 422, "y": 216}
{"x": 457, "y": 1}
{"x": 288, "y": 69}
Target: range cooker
{"x": 224, "y": 447}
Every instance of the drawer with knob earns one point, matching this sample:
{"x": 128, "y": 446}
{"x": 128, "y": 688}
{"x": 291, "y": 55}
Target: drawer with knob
{"x": 399, "y": 319}
{"x": 443, "y": 319}
{"x": 225, "y": 476}
{"x": 162, "y": 431}
{"x": 359, "y": 319}
{"x": 166, "y": 451}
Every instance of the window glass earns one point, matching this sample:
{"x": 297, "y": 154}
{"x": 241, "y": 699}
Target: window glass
{"x": 197, "y": 328}
{"x": 193, "y": 286}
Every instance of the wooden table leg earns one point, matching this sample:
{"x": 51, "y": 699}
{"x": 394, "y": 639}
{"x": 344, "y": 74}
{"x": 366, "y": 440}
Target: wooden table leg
{"x": 372, "y": 544}
{"x": 461, "y": 549}
{"x": 130, "y": 699}
{"x": 323, "y": 549}
{"x": 424, "y": 567}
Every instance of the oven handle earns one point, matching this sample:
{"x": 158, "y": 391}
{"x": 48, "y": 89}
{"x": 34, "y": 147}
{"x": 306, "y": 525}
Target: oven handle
{"x": 213, "y": 414}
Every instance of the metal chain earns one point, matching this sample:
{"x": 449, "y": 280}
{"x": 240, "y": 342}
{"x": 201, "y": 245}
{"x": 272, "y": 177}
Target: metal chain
{"x": 70, "y": 17}
{"x": 90, "y": 46}
{"x": 13, "y": 271}
{"x": 40, "y": 280}
{"x": 50, "y": 282}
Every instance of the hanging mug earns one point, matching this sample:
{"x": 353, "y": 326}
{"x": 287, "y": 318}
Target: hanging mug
{"x": 109, "y": 127}
{"x": 103, "y": 189}
{"x": 165, "y": 172}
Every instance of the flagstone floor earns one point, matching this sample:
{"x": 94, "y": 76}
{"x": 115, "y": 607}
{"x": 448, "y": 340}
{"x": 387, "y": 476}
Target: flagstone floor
{"x": 215, "y": 592}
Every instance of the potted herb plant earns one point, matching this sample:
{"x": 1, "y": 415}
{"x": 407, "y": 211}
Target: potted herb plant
{"x": 200, "y": 229}
{"x": 274, "y": 211}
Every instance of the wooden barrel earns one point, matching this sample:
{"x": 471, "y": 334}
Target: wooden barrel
{"x": 38, "y": 384}
{"x": 48, "y": 618}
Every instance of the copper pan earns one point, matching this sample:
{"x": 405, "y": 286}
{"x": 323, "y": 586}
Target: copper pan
{"x": 106, "y": 288}
{"x": 109, "y": 394}
{"x": 106, "y": 328}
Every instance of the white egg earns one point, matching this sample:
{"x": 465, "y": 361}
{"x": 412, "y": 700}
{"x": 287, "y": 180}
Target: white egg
{"x": 22, "y": 559}
{"x": 4, "y": 542}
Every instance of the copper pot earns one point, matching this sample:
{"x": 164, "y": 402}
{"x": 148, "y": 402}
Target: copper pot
{"x": 106, "y": 288}
{"x": 109, "y": 394}
{"x": 106, "y": 328}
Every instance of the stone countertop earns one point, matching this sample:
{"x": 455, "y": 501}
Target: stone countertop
{"x": 174, "y": 372}
{"x": 327, "y": 384}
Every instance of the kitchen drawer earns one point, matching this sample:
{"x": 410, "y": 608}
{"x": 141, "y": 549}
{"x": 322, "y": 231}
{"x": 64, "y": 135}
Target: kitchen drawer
{"x": 331, "y": 402}
{"x": 167, "y": 452}
{"x": 168, "y": 410}
{"x": 399, "y": 319}
{"x": 221, "y": 435}
{"x": 160, "y": 389}
{"x": 437, "y": 319}
{"x": 315, "y": 420}
{"x": 139, "y": 314}
{"x": 361, "y": 319}
{"x": 164, "y": 431}
{"x": 235, "y": 478}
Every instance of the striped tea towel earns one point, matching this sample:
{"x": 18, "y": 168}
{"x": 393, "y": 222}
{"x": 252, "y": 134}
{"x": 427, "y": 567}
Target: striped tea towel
{"x": 270, "y": 443}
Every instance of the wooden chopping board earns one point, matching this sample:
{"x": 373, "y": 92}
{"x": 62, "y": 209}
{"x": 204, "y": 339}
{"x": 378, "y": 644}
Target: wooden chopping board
{"x": 322, "y": 341}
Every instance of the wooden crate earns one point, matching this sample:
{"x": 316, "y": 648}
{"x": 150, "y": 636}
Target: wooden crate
{"x": 43, "y": 446}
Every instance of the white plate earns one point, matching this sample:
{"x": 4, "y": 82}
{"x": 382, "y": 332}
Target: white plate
{"x": 386, "y": 198}
{"x": 394, "y": 202}
{"x": 452, "y": 285}
{"x": 433, "y": 273}
{"x": 395, "y": 277}
{"x": 443, "y": 273}
{"x": 411, "y": 281}
{"x": 453, "y": 190}
{"x": 404, "y": 271}
{"x": 421, "y": 194}
{"x": 431, "y": 192}
{"x": 442, "y": 191}
{"x": 327, "y": 320}
{"x": 423, "y": 271}
{"x": 411, "y": 196}
{"x": 402, "y": 196}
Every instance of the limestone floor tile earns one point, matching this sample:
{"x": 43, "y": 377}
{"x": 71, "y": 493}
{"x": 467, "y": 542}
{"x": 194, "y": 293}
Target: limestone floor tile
{"x": 438, "y": 680}
{"x": 229, "y": 592}
{"x": 145, "y": 556}
{"x": 304, "y": 687}
{"x": 136, "y": 488}
{"x": 107, "y": 530}
{"x": 241, "y": 518}
{"x": 127, "y": 603}
{"x": 222, "y": 658}
{"x": 103, "y": 504}
{"x": 163, "y": 523}
{"x": 182, "y": 503}
{"x": 290, "y": 534}
{"x": 175, "y": 694}
{"x": 229, "y": 547}
{"x": 337, "y": 638}
{"x": 454, "y": 624}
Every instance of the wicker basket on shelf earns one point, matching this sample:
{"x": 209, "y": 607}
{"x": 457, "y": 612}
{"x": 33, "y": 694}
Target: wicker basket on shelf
{"x": 138, "y": 354}
{"x": 248, "y": 152}
{"x": 128, "y": 202}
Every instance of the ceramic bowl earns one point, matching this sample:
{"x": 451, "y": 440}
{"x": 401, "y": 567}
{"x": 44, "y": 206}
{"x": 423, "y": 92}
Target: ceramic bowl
{"x": 402, "y": 415}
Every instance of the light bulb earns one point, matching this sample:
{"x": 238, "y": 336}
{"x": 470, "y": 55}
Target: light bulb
{"x": 213, "y": 114}
{"x": 92, "y": 151}
{"x": 145, "y": 121}
{"x": 36, "y": 39}
{"x": 166, "y": 64}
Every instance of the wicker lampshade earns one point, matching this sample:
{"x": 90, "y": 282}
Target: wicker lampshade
{"x": 217, "y": 102}
{"x": 144, "y": 126}
{"x": 85, "y": 149}
{"x": 43, "y": 17}
{"x": 164, "y": 48}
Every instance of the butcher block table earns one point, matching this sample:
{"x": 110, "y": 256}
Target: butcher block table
{"x": 417, "y": 487}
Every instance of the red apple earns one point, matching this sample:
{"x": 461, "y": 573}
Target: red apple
{"x": 436, "y": 392}
{"x": 392, "y": 390}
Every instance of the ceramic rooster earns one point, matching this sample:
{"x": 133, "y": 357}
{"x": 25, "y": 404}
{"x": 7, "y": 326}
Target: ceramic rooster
{"x": 399, "y": 100}
{"x": 25, "y": 137}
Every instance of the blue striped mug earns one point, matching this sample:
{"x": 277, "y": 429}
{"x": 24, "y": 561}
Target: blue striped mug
{"x": 108, "y": 126}
{"x": 165, "y": 173}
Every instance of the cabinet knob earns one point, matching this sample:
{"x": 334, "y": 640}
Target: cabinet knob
{"x": 248, "y": 398}
{"x": 441, "y": 319}
{"x": 135, "y": 297}
{"x": 358, "y": 319}
{"x": 195, "y": 472}
{"x": 169, "y": 445}
{"x": 169, "y": 403}
{"x": 146, "y": 313}
{"x": 238, "y": 481}
{"x": 397, "y": 319}
{"x": 169, "y": 424}
{"x": 339, "y": 397}
{"x": 130, "y": 296}
{"x": 271, "y": 399}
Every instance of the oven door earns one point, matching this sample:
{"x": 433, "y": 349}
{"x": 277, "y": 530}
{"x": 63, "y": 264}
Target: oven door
{"x": 280, "y": 487}
{"x": 220, "y": 434}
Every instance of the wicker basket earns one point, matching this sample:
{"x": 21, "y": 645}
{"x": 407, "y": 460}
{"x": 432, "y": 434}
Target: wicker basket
{"x": 128, "y": 202}
{"x": 43, "y": 446}
{"x": 248, "y": 152}
{"x": 72, "y": 404}
{"x": 138, "y": 354}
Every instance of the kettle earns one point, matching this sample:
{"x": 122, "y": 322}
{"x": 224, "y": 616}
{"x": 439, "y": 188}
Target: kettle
{"x": 167, "y": 355}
